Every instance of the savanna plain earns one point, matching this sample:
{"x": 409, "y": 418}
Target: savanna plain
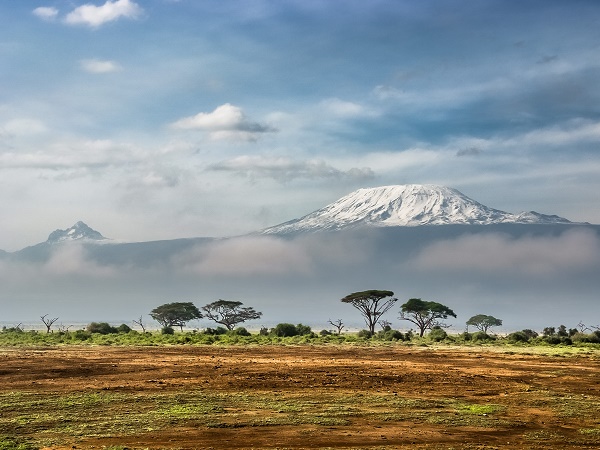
{"x": 299, "y": 396}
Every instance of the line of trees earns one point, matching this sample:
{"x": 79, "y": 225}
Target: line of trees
{"x": 426, "y": 315}
{"x": 371, "y": 304}
{"x": 223, "y": 312}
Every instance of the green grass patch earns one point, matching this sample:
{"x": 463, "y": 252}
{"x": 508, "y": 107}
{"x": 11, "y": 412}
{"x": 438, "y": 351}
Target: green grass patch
{"x": 13, "y": 443}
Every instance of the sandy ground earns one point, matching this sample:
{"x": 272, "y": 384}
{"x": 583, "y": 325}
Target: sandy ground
{"x": 300, "y": 397}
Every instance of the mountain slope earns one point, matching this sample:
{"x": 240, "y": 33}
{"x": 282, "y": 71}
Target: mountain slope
{"x": 406, "y": 205}
{"x": 79, "y": 233}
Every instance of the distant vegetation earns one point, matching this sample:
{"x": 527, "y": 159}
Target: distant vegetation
{"x": 228, "y": 315}
{"x": 102, "y": 333}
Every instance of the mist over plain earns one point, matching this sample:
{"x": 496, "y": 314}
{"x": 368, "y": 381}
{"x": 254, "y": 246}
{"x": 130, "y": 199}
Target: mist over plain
{"x": 531, "y": 276}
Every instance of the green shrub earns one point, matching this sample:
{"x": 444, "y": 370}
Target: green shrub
{"x": 303, "y": 330}
{"x": 12, "y": 330}
{"x": 480, "y": 336}
{"x": 284, "y": 330}
{"x": 81, "y": 335}
{"x": 530, "y": 333}
{"x": 552, "y": 340}
{"x": 437, "y": 334}
{"x": 239, "y": 331}
{"x": 101, "y": 328}
{"x": 566, "y": 340}
{"x": 215, "y": 331}
{"x": 593, "y": 338}
{"x": 390, "y": 335}
{"x": 123, "y": 328}
{"x": 517, "y": 336}
{"x": 325, "y": 333}
{"x": 364, "y": 334}
{"x": 167, "y": 330}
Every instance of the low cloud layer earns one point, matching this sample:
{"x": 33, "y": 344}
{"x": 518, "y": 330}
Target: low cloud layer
{"x": 510, "y": 276}
{"x": 575, "y": 251}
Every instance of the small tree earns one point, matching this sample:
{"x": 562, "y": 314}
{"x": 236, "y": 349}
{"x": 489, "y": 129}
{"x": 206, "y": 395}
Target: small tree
{"x": 140, "y": 322}
{"x": 372, "y": 305}
{"x": 229, "y": 313}
{"x": 339, "y": 326}
{"x": 483, "y": 323}
{"x": 48, "y": 322}
{"x": 175, "y": 314}
{"x": 425, "y": 315}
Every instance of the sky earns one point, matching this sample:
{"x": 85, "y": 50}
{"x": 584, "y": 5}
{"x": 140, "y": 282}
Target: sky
{"x": 162, "y": 119}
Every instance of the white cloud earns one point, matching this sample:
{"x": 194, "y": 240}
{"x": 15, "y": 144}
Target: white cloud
{"x": 226, "y": 122}
{"x": 99, "y": 66}
{"x": 46, "y": 12}
{"x": 96, "y": 16}
{"x": 284, "y": 169}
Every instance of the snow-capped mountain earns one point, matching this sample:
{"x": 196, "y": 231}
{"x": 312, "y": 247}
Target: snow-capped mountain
{"x": 78, "y": 232}
{"x": 406, "y": 205}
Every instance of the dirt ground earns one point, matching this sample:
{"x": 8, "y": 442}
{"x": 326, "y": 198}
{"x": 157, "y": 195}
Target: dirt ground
{"x": 298, "y": 397}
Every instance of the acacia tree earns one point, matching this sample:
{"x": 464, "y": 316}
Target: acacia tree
{"x": 372, "y": 305}
{"x": 175, "y": 314}
{"x": 483, "y": 323}
{"x": 48, "y": 322}
{"x": 425, "y": 315}
{"x": 229, "y": 313}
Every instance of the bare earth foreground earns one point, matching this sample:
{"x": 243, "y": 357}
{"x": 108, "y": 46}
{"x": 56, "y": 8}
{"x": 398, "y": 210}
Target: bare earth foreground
{"x": 299, "y": 397}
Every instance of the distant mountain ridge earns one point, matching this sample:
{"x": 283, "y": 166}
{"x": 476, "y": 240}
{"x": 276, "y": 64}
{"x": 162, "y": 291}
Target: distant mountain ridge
{"x": 406, "y": 206}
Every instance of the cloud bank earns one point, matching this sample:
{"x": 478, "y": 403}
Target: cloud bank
{"x": 512, "y": 275}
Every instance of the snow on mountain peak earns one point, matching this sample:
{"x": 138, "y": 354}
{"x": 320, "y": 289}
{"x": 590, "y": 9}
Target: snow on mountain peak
{"x": 79, "y": 231}
{"x": 405, "y": 205}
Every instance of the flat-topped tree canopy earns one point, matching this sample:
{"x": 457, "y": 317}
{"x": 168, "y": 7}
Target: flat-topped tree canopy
{"x": 229, "y": 313}
{"x": 425, "y": 314}
{"x": 175, "y": 314}
{"x": 372, "y": 304}
{"x": 484, "y": 322}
